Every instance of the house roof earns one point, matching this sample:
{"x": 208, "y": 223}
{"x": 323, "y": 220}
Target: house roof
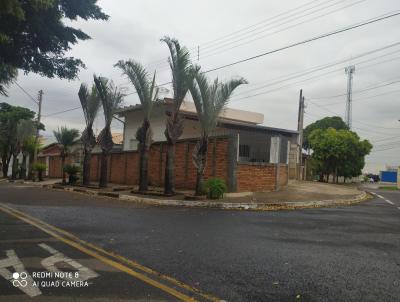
{"x": 188, "y": 108}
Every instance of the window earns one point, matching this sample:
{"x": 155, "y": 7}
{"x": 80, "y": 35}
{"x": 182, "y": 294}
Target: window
{"x": 244, "y": 151}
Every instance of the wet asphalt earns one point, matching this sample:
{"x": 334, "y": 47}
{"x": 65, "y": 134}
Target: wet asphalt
{"x": 333, "y": 254}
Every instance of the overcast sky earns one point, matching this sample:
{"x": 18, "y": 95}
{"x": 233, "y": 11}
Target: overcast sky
{"x": 227, "y": 31}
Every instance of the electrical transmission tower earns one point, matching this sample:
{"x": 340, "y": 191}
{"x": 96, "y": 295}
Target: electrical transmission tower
{"x": 349, "y": 71}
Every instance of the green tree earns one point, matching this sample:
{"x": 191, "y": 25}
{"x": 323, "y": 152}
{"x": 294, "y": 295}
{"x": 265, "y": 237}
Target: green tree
{"x": 209, "y": 99}
{"x": 25, "y": 130}
{"x": 179, "y": 62}
{"x": 111, "y": 98}
{"x": 29, "y": 147}
{"x": 66, "y": 138}
{"x": 35, "y": 37}
{"x": 334, "y": 122}
{"x": 9, "y": 119}
{"x": 338, "y": 153}
{"x": 147, "y": 93}
{"x": 90, "y": 105}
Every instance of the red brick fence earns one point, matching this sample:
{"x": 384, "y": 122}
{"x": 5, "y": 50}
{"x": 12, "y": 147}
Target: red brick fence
{"x": 222, "y": 162}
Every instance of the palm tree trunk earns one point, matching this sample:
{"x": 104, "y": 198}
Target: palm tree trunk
{"x": 4, "y": 166}
{"x": 14, "y": 167}
{"x": 103, "y": 170}
{"x": 144, "y": 169}
{"x": 31, "y": 175}
{"x": 169, "y": 183}
{"x": 64, "y": 181}
{"x": 86, "y": 167}
{"x": 199, "y": 183}
{"x": 22, "y": 175}
{"x": 200, "y": 162}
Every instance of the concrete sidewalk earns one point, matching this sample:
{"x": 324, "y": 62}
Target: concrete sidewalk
{"x": 295, "y": 195}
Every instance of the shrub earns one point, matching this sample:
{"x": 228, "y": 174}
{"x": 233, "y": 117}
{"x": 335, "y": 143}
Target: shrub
{"x": 39, "y": 168}
{"x": 215, "y": 188}
{"x": 72, "y": 172}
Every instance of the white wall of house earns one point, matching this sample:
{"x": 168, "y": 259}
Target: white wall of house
{"x": 134, "y": 119}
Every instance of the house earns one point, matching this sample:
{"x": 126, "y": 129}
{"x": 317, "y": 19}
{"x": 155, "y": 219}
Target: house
{"x": 245, "y": 154}
{"x": 248, "y": 163}
{"x": 50, "y": 155}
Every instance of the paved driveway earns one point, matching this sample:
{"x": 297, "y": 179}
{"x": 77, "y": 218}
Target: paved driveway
{"x": 333, "y": 254}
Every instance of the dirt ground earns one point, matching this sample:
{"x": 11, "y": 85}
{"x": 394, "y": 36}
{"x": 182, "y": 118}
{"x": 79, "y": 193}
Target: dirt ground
{"x": 301, "y": 191}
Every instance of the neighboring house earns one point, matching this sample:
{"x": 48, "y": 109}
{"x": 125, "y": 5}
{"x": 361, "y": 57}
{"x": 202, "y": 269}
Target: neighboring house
{"x": 50, "y": 155}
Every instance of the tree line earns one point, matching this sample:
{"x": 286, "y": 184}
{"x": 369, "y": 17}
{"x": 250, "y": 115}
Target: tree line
{"x": 335, "y": 150}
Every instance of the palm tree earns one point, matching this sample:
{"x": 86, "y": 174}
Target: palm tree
{"x": 148, "y": 93}
{"x": 209, "y": 99}
{"x": 28, "y": 149}
{"x": 66, "y": 138}
{"x": 25, "y": 132}
{"x": 180, "y": 65}
{"x": 90, "y": 106}
{"x": 111, "y": 97}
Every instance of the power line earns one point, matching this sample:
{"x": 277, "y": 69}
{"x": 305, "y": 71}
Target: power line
{"x": 367, "y": 22}
{"x": 222, "y": 38}
{"x": 59, "y": 112}
{"x": 212, "y": 52}
{"x": 357, "y": 91}
{"x": 29, "y": 95}
{"x": 317, "y": 68}
{"x": 356, "y": 121}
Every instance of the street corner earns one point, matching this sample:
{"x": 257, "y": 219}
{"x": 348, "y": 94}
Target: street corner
{"x": 34, "y": 265}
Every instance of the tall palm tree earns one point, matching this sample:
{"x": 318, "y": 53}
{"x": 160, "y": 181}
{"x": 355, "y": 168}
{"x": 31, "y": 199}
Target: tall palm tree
{"x": 179, "y": 62}
{"x": 66, "y": 138}
{"x": 90, "y": 106}
{"x": 210, "y": 99}
{"x": 111, "y": 98}
{"x": 148, "y": 93}
{"x": 25, "y": 130}
{"x": 28, "y": 149}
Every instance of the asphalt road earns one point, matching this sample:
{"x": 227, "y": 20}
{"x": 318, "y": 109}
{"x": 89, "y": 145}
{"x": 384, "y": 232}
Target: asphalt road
{"x": 333, "y": 254}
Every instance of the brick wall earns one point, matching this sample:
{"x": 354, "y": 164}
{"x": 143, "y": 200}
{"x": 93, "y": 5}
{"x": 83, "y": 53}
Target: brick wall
{"x": 255, "y": 177}
{"x": 283, "y": 175}
{"x": 124, "y": 167}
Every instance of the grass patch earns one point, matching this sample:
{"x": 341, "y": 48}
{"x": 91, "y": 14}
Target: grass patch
{"x": 389, "y": 188}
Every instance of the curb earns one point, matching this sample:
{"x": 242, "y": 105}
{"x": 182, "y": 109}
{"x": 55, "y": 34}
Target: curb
{"x": 274, "y": 206}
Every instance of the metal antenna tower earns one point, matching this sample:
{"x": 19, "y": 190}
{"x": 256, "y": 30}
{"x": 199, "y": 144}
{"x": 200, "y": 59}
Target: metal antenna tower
{"x": 349, "y": 71}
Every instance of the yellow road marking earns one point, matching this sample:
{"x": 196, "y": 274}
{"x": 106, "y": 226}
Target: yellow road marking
{"x": 37, "y": 223}
{"x": 121, "y": 258}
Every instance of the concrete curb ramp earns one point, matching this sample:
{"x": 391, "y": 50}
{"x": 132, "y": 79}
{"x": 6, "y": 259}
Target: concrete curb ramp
{"x": 271, "y": 206}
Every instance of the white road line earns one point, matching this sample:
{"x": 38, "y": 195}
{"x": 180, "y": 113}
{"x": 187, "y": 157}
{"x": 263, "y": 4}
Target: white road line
{"x": 388, "y": 201}
{"x": 398, "y": 208}
{"x": 380, "y": 196}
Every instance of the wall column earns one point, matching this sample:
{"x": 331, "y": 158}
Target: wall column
{"x": 233, "y": 149}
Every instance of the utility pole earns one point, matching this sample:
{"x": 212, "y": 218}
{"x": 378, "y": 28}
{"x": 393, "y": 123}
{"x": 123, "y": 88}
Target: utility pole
{"x": 198, "y": 53}
{"x": 300, "y": 121}
{"x": 348, "y": 117}
{"x": 40, "y": 97}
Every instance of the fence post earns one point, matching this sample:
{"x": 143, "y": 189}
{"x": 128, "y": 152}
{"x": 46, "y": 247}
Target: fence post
{"x": 233, "y": 146}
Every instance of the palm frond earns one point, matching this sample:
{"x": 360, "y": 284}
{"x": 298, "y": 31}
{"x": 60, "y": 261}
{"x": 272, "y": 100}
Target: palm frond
{"x": 66, "y": 137}
{"x": 179, "y": 61}
{"x": 111, "y": 97}
{"x": 211, "y": 98}
{"x": 146, "y": 89}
